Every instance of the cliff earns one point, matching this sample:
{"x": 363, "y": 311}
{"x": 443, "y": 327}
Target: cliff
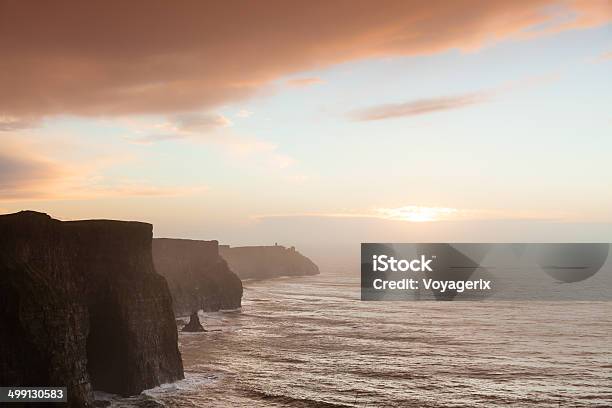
{"x": 262, "y": 262}
{"x": 82, "y": 306}
{"x": 198, "y": 277}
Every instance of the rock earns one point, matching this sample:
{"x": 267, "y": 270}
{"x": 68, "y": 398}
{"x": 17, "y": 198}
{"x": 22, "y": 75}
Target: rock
{"x": 263, "y": 262}
{"x": 82, "y": 306}
{"x": 194, "y": 324}
{"x": 198, "y": 277}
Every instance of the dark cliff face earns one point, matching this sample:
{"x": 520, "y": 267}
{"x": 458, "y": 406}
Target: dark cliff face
{"x": 198, "y": 277}
{"x": 263, "y": 262}
{"x": 82, "y": 306}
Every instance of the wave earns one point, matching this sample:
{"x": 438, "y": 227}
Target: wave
{"x": 296, "y": 402}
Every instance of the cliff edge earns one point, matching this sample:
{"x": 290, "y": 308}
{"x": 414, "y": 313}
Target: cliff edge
{"x": 263, "y": 262}
{"x": 82, "y": 306}
{"x": 198, "y": 277}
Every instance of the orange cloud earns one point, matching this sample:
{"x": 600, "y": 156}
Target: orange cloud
{"x": 304, "y": 81}
{"x": 430, "y": 105}
{"x": 129, "y": 189}
{"x": 419, "y": 107}
{"x": 605, "y": 56}
{"x": 185, "y": 126}
{"x": 12, "y": 123}
{"x": 24, "y": 175}
{"x": 91, "y": 58}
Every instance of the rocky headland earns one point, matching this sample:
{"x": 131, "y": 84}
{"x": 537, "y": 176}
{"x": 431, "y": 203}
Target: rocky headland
{"x": 264, "y": 262}
{"x": 82, "y": 306}
{"x": 198, "y": 277}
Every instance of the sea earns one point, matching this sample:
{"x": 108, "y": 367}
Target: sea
{"x": 310, "y": 342}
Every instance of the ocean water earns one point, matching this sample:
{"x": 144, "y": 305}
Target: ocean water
{"x": 310, "y": 342}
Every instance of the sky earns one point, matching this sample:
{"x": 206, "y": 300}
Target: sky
{"x": 312, "y": 124}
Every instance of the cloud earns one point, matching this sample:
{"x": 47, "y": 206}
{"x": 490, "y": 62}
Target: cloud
{"x": 25, "y": 175}
{"x": 605, "y": 56}
{"x": 419, "y": 107}
{"x": 192, "y": 122}
{"x": 182, "y": 126}
{"x": 304, "y": 81}
{"x": 206, "y": 128}
{"x": 416, "y": 213}
{"x": 126, "y": 188}
{"x": 419, "y": 213}
{"x": 84, "y": 58}
{"x": 12, "y": 123}
{"x": 431, "y": 105}
{"x": 254, "y": 151}
{"x": 244, "y": 113}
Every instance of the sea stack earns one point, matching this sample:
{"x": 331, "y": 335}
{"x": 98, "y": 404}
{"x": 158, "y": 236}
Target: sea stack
{"x": 263, "y": 262}
{"x": 198, "y": 277}
{"x": 82, "y": 306}
{"x": 194, "y": 324}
